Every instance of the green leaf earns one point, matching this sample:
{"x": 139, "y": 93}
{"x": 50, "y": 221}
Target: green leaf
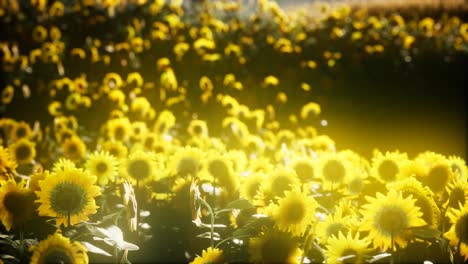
{"x": 9, "y": 257}
{"x": 239, "y": 204}
{"x": 93, "y": 249}
{"x": 426, "y": 232}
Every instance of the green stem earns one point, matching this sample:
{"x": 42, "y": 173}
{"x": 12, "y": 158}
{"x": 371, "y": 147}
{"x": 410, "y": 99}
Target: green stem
{"x": 212, "y": 220}
{"x": 69, "y": 219}
{"x": 322, "y": 253}
{"x": 21, "y": 235}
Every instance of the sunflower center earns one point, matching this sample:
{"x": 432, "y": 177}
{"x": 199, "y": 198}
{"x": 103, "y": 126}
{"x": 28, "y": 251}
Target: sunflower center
{"x": 335, "y": 228}
{"x": 197, "y": 130}
{"x": 17, "y": 204}
{"x": 304, "y": 171}
{"x": 218, "y": 169}
{"x": 114, "y": 152}
{"x": 101, "y": 167}
{"x": 72, "y": 149}
{"x": 388, "y": 170}
{"x": 334, "y": 171}
{"x": 68, "y": 198}
{"x": 392, "y": 221}
{"x": 461, "y": 229}
{"x": 23, "y": 152}
{"x": 119, "y": 133}
{"x": 21, "y": 132}
{"x": 437, "y": 177}
{"x": 57, "y": 255}
{"x": 356, "y": 185}
{"x": 139, "y": 169}
{"x": 187, "y": 166}
{"x": 294, "y": 211}
{"x": 149, "y": 143}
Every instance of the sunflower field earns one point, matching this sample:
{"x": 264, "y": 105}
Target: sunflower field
{"x": 162, "y": 131}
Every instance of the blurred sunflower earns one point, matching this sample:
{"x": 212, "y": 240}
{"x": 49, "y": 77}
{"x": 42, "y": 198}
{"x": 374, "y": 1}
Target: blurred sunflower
{"x": 210, "y": 255}
{"x": 119, "y": 129}
{"x": 139, "y": 130}
{"x": 294, "y": 212}
{"x": 186, "y": 161}
{"x": 457, "y": 193}
{"x": 58, "y": 249}
{"x": 333, "y": 225}
{"x": 251, "y": 185}
{"x": 20, "y": 130}
{"x": 7, "y": 163}
{"x": 68, "y": 195}
{"x": 140, "y": 167}
{"x": 438, "y": 175}
{"x": 198, "y": 128}
{"x": 103, "y": 165}
{"x": 7, "y": 94}
{"x": 386, "y": 167}
{"x": 459, "y": 167}
{"x": 388, "y": 218}
{"x": 74, "y": 148}
{"x": 333, "y": 168}
{"x": 458, "y": 233}
{"x": 35, "y": 178}
{"x": 423, "y": 198}
{"x": 275, "y": 186}
{"x": 62, "y": 164}
{"x": 116, "y": 149}
{"x": 16, "y": 203}
{"x": 220, "y": 169}
{"x": 274, "y": 247}
{"x": 304, "y": 168}
{"x": 349, "y": 249}
{"x": 165, "y": 121}
{"x": 23, "y": 151}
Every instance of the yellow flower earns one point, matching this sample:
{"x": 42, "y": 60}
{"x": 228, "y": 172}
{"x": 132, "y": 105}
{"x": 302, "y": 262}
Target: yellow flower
{"x": 7, "y": 163}
{"x": 271, "y": 81}
{"x": 198, "y": 128}
{"x": 23, "y": 151}
{"x": 210, "y": 255}
{"x": 304, "y": 168}
{"x": 294, "y": 212}
{"x": 118, "y": 129}
{"x": 140, "y": 167}
{"x": 388, "y": 217}
{"x": 457, "y": 193}
{"x": 333, "y": 226}
{"x": 334, "y": 168}
{"x": 39, "y": 34}
{"x": 103, "y": 165}
{"x": 56, "y": 9}
{"x": 139, "y": 130}
{"x": 274, "y": 247}
{"x": 251, "y": 184}
{"x": 458, "y": 233}
{"x": 386, "y": 167}
{"x": 423, "y": 196}
{"x": 186, "y": 161}
{"x": 339, "y": 247}
{"x": 20, "y": 130}
{"x": 275, "y": 186}
{"x": 58, "y": 249}
{"x": 310, "y": 110}
{"x": 68, "y": 194}
{"x": 116, "y": 149}
{"x": 8, "y": 94}
{"x": 74, "y": 148}
{"x": 165, "y": 122}
{"x": 16, "y": 203}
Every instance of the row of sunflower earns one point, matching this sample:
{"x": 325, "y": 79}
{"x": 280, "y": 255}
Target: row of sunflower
{"x": 146, "y": 130}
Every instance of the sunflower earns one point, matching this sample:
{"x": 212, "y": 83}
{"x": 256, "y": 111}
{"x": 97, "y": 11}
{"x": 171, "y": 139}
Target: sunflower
{"x": 16, "y": 203}
{"x": 458, "y": 166}
{"x": 458, "y": 233}
{"x": 20, "y": 130}
{"x": 61, "y": 164}
{"x": 74, "y": 148}
{"x": 304, "y": 168}
{"x": 23, "y": 151}
{"x": 58, "y": 249}
{"x": 333, "y": 168}
{"x": 423, "y": 196}
{"x": 68, "y": 194}
{"x": 333, "y": 225}
{"x": 251, "y": 184}
{"x": 220, "y": 168}
{"x": 118, "y": 129}
{"x": 293, "y": 213}
{"x": 210, "y": 255}
{"x": 386, "y": 167}
{"x": 7, "y": 163}
{"x": 310, "y": 110}
{"x": 103, "y": 165}
{"x": 341, "y": 249}
{"x": 139, "y": 167}
{"x": 186, "y": 161}
{"x": 275, "y": 186}
{"x": 388, "y": 218}
{"x": 438, "y": 175}
{"x": 34, "y": 179}
{"x": 139, "y": 130}
{"x": 198, "y": 128}
{"x": 457, "y": 192}
{"x": 166, "y": 120}
{"x": 116, "y": 149}
{"x": 8, "y": 94}
{"x": 274, "y": 247}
